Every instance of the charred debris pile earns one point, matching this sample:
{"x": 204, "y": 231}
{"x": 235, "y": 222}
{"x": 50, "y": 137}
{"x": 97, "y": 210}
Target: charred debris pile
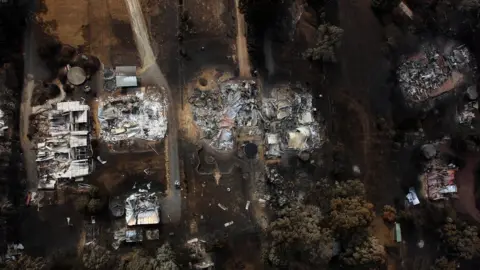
{"x": 435, "y": 71}
{"x": 142, "y": 115}
{"x": 11, "y": 164}
{"x": 220, "y": 112}
{"x": 286, "y": 119}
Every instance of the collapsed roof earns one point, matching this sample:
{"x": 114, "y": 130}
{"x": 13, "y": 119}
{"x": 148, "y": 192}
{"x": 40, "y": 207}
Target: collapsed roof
{"x": 142, "y": 208}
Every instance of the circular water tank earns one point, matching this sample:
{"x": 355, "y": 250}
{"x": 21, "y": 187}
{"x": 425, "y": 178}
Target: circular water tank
{"x": 250, "y": 150}
{"x": 76, "y": 75}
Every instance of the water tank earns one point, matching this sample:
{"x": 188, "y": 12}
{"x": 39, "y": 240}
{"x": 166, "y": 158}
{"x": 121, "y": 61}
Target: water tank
{"x": 250, "y": 150}
{"x": 76, "y": 75}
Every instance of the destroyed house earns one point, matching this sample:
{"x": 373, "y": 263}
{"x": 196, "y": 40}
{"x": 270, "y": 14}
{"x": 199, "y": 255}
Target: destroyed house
{"x": 66, "y": 153}
{"x": 438, "y": 180}
{"x": 290, "y": 123}
{"x": 434, "y": 71}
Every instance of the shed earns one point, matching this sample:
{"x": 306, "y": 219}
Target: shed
{"x": 126, "y": 76}
{"x": 126, "y": 81}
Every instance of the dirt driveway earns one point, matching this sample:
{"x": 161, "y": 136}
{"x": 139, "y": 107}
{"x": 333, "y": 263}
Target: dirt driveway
{"x": 364, "y": 71}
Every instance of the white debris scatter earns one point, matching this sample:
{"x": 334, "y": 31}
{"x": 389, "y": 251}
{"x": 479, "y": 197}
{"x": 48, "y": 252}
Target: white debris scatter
{"x": 3, "y": 126}
{"x": 138, "y": 116}
{"x": 101, "y": 160}
{"x": 434, "y": 70}
{"x": 222, "y": 207}
{"x": 466, "y": 116}
{"x": 218, "y": 111}
{"x": 289, "y": 121}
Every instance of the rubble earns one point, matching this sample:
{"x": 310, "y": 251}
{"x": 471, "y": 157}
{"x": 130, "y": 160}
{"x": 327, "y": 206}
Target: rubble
{"x": 133, "y": 235}
{"x": 289, "y": 122}
{"x": 142, "y": 115}
{"x": 199, "y": 254}
{"x": 117, "y": 208}
{"x": 429, "y": 151}
{"x": 14, "y": 250}
{"x": 152, "y": 234}
{"x": 472, "y": 93}
{"x": 434, "y": 71}
{"x": 142, "y": 208}
{"x": 65, "y": 153}
{"x": 356, "y": 170}
{"x": 217, "y": 112}
{"x": 467, "y": 114}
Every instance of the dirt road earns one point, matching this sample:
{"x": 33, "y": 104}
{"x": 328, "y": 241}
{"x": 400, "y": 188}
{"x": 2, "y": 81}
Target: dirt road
{"x": 142, "y": 38}
{"x": 242, "y": 52}
{"x": 28, "y": 153}
{"x": 364, "y": 72}
{"x": 152, "y": 74}
{"x": 31, "y": 68}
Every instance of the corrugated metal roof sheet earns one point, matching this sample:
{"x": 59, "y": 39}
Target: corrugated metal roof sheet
{"x": 78, "y": 141}
{"x": 72, "y": 106}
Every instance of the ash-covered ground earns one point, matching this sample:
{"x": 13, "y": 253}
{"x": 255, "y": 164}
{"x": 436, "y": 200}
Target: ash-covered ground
{"x": 341, "y": 139}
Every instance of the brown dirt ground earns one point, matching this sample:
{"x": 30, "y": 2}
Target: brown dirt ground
{"x": 100, "y": 26}
{"x": 207, "y": 18}
{"x": 130, "y": 167}
{"x": 70, "y": 19}
{"x": 466, "y": 188}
